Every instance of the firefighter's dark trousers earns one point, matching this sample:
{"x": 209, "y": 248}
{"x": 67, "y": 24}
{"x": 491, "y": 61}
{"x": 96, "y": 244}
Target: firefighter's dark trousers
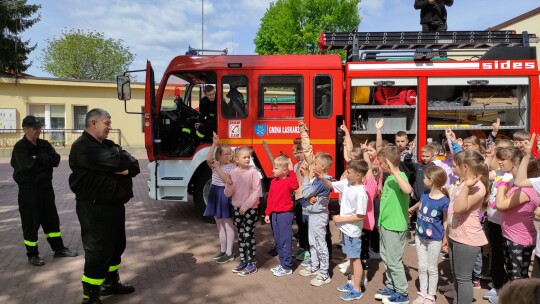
{"x": 37, "y": 208}
{"x": 103, "y": 232}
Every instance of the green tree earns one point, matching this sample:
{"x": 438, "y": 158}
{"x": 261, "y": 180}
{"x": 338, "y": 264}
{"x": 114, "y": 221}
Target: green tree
{"x": 15, "y": 17}
{"x": 294, "y": 26}
{"x": 85, "y": 55}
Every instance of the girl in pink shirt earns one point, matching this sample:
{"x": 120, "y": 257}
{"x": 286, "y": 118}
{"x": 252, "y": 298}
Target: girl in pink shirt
{"x": 243, "y": 187}
{"x": 466, "y": 236}
{"x": 517, "y": 208}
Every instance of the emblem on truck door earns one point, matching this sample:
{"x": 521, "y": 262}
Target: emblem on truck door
{"x": 260, "y": 129}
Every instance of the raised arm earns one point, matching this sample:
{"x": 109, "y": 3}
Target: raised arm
{"x": 268, "y": 152}
{"x": 348, "y": 142}
{"x": 211, "y": 151}
{"x": 403, "y": 184}
{"x": 378, "y": 141}
{"x": 306, "y": 145}
{"x": 464, "y": 201}
{"x": 521, "y": 179}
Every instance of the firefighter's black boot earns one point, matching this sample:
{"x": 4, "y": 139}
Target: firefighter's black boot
{"x": 112, "y": 285}
{"x": 188, "y": 151}
{"x": 90, "y": 294}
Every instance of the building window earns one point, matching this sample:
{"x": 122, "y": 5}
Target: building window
{"x": 281, "y": 96}
{"x": 234, "y": 90}
{"x": 322, "y": 96}
{"x": 38, "y": 111}
{"x": 79, "y": 117}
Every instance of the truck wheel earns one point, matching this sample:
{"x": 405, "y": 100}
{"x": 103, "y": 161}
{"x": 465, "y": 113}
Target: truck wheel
{"x": 202, "y": 192}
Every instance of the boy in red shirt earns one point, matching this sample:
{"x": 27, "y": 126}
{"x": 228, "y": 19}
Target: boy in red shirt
{"x": 280, "y": 207}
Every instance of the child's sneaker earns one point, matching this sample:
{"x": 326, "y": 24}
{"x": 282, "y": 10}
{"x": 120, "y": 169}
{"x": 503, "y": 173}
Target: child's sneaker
{"x": 217, "y": 255}
{"x": 445, "y": 288}
{"x": 449, "y": 294}
{"x": 225, "y": 259}
{"x": 396, "y": 298}
{"x": 308, "y": 271}
{"x": 364, "y": 281}
{"x": 277, "y": 268}
{"x": 303, "y": 256}
{"x": 429, "y": 299}
{"x": 239, "y": 267}
{"x": 306, "y": 262}
{"x": 282, "y": 272}
{"x": 491, "y": 293}
{"x": 251, "y": 268}
{"x": 494, "y": 300}
{"x": 352, "y": 295}
{"x": 384, "y": 293}
{"x": 344, "y": 264}
{"x": 346, "y": 271}
{"x": 420, "y": 300}
{"x": 320, "y": 280}
{"x": 298, "y": 251}
{"x": 476, "y": 284}
{"x": 345, "y": 288}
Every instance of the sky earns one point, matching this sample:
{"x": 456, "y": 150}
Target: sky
{"x": 158, "y": 30}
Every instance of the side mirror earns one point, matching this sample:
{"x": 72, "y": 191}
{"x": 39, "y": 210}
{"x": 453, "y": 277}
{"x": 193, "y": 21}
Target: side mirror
{"x": 124, "y": 88}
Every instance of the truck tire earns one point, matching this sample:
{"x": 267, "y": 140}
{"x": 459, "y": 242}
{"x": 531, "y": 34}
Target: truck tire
{"x": 202, "y": 191}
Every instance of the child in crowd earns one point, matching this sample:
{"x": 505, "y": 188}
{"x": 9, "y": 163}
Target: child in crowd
{"x": 280, "y": 206}
{"x": 318, "y": 197}
{"x": 466, "y": 237}
{"x": 243, "y": 187}
{"x": 508, "y": 158}
{"x": 219, "y": 205}
{"x": 352, "y": 210}
{"x": 521, "y": 140}
{"x": 432, "y": 209}
{"x": 517, "y": 206}
{"x": 522, "y": 180}
{"x": 393, "y": 227}
{"x": 299, "y": 204}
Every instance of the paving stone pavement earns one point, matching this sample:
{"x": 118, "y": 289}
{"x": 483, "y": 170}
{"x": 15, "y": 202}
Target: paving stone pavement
{"x": 168, "y": 257}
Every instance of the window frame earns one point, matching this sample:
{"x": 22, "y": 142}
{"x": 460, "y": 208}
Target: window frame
{"x": 330, "y": 113}
{"x": 262, "y": 83}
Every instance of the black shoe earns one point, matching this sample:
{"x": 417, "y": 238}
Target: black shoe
{"x": 90, "y": 294}
{"x": 187, "y": 151}
{"x": 65, "y": 253}
{"x": 117, "y": 288}
{"x": 36, "y": 260}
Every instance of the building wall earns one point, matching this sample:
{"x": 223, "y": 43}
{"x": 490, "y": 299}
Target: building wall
{"x": 531, "y": 25}
{"x": 28, "y": 94}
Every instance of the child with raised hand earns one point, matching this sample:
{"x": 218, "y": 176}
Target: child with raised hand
{"x": 523, "y": 180}
{"x": 393, "y": 227}
{"x": 508, "y": 158}
{"x": 243, "y": 186}
{"x": 352, "y": 210}
{"x": 317, "y": 194}
{"x": 432, "y": 209}
{"x": 516, "y": 206}
{"x": 280, "y": 207}
{"x": 466, "y": 237}
{"x": 219, "y": 205}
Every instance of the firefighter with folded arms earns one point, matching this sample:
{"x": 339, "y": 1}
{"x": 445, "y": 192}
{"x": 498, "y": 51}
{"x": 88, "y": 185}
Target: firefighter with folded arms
{"x": 102, "y": 183}
{"x": 33, "y": 160}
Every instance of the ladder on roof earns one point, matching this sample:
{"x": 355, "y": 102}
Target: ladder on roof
{"x": 364, "y": 46}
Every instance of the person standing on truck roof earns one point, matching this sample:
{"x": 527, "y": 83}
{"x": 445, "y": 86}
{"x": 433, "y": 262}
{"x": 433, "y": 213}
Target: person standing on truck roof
{"x": 196, "y": 129}
{"x": 33, "y": 160}
{"x": 433, "y": 14}
{"x": 102, "y": 183}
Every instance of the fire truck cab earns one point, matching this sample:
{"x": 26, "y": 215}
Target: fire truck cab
{"x": 263, "y": 98}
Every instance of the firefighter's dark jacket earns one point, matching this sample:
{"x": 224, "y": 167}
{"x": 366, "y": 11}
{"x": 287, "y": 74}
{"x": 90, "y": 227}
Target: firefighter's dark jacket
{"x": 94, "y": 165}
{"x": 433, "y": 14}
{"x": 33, "y": 164}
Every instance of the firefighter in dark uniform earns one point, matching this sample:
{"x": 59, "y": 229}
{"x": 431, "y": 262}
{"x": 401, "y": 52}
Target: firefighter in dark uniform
{"x": 102, "y": 183}
{"x": 33, "y": 160}
{"x": 196, "y": 129}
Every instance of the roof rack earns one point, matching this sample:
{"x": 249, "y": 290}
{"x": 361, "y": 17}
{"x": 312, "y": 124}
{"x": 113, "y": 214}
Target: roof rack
{"x": 364, "y": 46}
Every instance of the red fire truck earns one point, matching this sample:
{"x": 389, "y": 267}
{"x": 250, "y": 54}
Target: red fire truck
{"x": 418, "y": 82}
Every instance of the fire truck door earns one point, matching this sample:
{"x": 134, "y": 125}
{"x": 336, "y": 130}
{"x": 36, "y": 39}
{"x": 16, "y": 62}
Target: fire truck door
{"x": 281, "y": 102}
{"x": 236, "y": 108}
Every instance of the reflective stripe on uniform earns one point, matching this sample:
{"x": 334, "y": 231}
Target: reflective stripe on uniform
{"x": 31, "y": 244}
{"x": 114, "y": 268}
{"x": 186, "y": 130}
{"x": 53, "y": 234}
{"x": 199, "y": 134}
{"x": 88, "y": 280}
